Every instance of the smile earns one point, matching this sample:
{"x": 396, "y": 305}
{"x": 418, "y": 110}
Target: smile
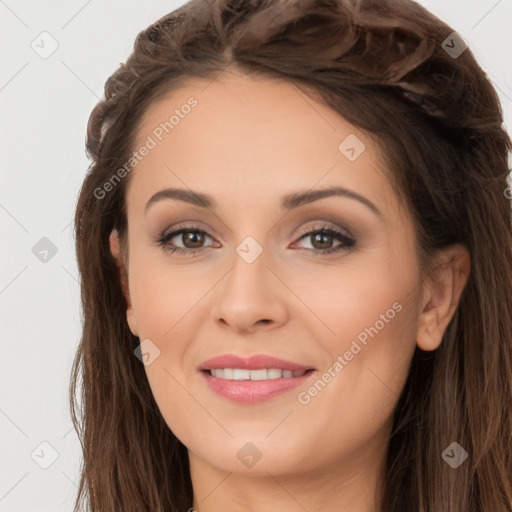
{"x": 261, "y": 374}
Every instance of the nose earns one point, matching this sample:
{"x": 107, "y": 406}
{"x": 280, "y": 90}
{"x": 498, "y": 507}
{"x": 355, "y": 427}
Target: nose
{"x": 251, "y": 297}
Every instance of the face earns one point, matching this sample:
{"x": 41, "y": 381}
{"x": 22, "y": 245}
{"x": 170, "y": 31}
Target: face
{"x": 327, "y": 283}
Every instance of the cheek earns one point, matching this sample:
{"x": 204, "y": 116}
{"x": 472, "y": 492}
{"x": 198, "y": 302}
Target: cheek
{"x": 367, "y": 336}
{"x": 161, "y": 294}
{"x": 365, "y": 301}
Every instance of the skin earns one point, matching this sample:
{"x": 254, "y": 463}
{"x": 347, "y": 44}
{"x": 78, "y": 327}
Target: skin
{"x": 247, "y": 143}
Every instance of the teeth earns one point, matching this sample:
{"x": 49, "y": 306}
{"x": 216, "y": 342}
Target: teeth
{"x": 262, "y": 374}
{"x": 241, "y": 374}
{"x": 257, "y": 374}
{"x": 274, "y": 374}
{"x": 228, "y": 372}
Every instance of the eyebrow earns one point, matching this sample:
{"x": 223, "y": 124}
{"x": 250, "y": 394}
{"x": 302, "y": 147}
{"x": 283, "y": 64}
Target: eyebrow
{"x": 289, "y": 201}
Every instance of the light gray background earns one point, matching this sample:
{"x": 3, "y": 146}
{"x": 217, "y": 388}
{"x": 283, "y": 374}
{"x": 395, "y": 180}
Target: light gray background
{"x": 44, "y": 108}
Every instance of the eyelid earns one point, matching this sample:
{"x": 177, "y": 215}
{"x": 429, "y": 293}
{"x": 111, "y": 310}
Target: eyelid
{"x": 325, "y": 224}
{"x": 176, "y": 230}
{"x": 192, "y": 226}
{"x": 199, "y": 226}
{"x": 341, "y": 233}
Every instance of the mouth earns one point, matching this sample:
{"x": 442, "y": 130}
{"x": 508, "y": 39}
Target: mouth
{"x": 242, "y": 374}
{"x": 254, "y": 379}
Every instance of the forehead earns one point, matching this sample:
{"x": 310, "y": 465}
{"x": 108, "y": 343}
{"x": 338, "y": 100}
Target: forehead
{"x": 251, "y": 135}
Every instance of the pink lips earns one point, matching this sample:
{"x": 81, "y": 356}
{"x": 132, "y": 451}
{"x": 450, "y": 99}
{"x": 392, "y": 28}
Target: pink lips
{"x": 256, "y": 362}
{"x": 252, "y": 391}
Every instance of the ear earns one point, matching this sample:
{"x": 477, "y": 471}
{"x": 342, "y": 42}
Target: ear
{"x": 442, "y": 293}
{"x": 116, "y": 253}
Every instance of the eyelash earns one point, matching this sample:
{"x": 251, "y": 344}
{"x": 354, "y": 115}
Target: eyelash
{"x": 347, "y": 242}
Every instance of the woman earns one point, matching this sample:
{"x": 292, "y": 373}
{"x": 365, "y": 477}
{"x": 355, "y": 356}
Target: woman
{"x": 295, "y": 249}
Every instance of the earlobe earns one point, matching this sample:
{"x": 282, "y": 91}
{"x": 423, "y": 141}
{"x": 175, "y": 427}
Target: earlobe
{"x": 132, "y": 321}
{"x": 114, "y": 244}
{"x": 442, "y": 296}
{"x": 115, "y": 249}
{"x": 116, "y": 253}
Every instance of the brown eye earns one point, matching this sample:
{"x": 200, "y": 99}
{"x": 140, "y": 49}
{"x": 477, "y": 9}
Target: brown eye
{"x": 322, "y": 239}
{"x": 186, "y": 240}
{"x": 191, "y": 240}
{"x": 192, "y": 237}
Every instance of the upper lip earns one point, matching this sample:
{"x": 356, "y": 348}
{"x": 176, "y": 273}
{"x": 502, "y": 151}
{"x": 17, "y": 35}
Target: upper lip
{"x": 254, "y": 362}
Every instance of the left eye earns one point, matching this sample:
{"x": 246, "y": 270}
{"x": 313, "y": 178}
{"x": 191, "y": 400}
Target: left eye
{"x": 327, "y": 235}
{"x": 194, "y": 238}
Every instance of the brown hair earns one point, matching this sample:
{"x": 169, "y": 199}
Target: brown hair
{"x": 381, "y": 65}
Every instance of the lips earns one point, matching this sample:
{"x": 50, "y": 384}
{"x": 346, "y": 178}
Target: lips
{"x": 250, "y": 391}
{"x": 254, "y": 362}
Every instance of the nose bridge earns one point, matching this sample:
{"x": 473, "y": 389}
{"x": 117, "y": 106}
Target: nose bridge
{"x": 250, "y": 292}
{"x": 249, "y": 273}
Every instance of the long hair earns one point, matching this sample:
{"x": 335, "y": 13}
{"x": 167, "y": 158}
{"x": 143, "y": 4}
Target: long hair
{"x": 398, "y": 72}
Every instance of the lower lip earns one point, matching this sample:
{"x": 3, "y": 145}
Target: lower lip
{"x": 253, "y": 391}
